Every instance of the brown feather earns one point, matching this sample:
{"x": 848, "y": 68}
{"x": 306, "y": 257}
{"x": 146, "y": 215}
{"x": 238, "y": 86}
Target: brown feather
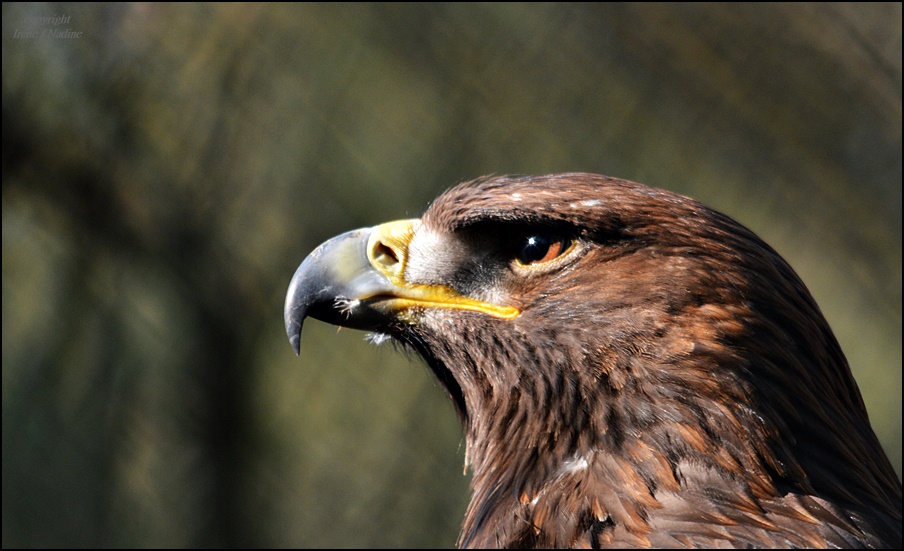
{"x": 674, "y": 385}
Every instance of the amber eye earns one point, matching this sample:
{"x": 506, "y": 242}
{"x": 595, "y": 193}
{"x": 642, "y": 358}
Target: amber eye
{"x": 540, "y": 247}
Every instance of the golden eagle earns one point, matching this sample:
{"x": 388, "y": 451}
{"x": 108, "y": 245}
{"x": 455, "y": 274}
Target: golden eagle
{"x": 631, "y": 368}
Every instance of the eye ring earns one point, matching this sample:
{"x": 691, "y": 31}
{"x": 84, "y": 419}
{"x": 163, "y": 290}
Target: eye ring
{"x": 538, "y": 248}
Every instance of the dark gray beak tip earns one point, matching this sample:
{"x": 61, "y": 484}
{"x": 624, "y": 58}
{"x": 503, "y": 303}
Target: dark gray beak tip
{"x": 296, "y": 307}
{"x": 293, "y": 330}
{"x": 295, "y": 340}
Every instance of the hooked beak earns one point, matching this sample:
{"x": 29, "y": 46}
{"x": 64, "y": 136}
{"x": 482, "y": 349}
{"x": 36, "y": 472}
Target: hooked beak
{"x": 357, "y": 280}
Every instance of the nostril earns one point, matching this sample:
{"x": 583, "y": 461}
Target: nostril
{"x": 387, "y": 248}
{"x": 385, "y": 255}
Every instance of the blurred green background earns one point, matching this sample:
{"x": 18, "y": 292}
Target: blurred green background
{"x": 167, "y": 167}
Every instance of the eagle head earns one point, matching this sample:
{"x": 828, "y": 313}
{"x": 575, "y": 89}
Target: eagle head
{"x": 631, "y": 368}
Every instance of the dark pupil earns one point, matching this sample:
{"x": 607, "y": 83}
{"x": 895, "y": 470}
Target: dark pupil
{"x": 534, "y": 248}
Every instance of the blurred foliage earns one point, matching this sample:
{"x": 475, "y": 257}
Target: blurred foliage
{"x": 167, "y": 168}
